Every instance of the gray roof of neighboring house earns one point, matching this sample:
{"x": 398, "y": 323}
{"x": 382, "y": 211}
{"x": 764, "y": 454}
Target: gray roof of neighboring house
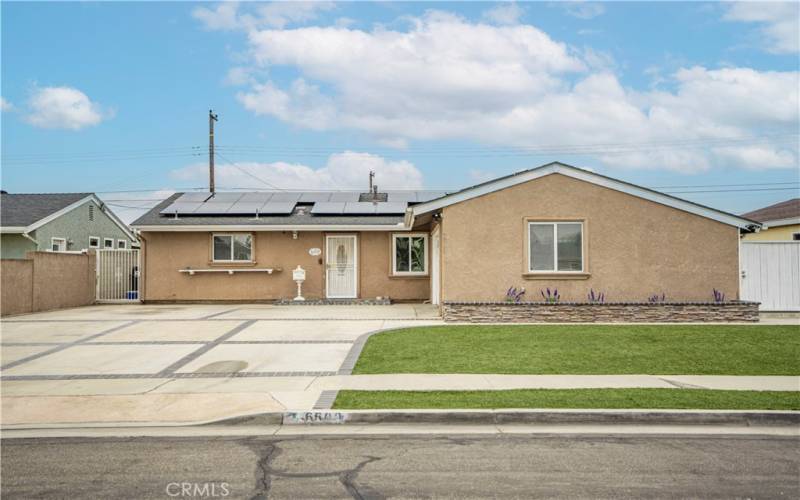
{"x": 22, "y": 210}
{"x": 301, "y": 215}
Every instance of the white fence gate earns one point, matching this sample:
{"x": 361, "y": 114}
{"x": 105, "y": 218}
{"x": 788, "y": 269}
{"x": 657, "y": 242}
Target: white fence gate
{"x": 117, "y": 275}
{"x": 771, "y": 274}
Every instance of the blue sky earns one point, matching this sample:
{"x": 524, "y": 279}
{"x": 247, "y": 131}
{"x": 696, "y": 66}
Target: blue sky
{"x": 114, "y": 96}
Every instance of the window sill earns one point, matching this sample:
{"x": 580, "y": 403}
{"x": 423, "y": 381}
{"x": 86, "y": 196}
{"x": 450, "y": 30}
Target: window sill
{"x": 556, "y": 276}
{"x": 231, "y": 263}
{"x": 408, "y": 276}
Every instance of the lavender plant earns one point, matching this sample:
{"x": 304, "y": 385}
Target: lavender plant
{"x": 598, "y": 297}
{"x": 718, "y": 296}
{"x": 655, "y": 299}
{"x": 550, "y": 298}
{"x": 515, "y": 295}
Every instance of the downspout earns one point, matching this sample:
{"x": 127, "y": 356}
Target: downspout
{"x": 408, "y": 219}
{"x": 142, "y": 261}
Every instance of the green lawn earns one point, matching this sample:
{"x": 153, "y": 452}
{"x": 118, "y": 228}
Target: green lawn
{"x": 586, "y": 349}
{"x": 571, "y": 398}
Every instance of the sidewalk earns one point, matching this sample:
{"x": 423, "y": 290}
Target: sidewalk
{"x": 185, "y": 401}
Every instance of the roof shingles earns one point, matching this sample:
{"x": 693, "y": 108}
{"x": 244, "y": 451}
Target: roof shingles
{"x": 22, "y": 210}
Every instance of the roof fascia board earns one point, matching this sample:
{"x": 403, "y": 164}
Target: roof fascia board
{"x": 12, "y": 229}
{"x": 223, "y": 227}
{"x": 781, "y": 222}
{"x": 104, "y": 207}
{"x": 584, "y": 175}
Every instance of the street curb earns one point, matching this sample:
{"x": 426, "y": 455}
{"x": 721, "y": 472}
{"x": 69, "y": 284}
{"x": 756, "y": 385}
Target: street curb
{"x": 479, "y": 417}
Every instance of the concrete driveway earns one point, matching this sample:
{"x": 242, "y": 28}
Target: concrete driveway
{"x": 115, "y": 363}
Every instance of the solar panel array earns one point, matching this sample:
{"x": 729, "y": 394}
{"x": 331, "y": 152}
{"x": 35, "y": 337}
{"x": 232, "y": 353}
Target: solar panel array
{"x": 283, "y": 203}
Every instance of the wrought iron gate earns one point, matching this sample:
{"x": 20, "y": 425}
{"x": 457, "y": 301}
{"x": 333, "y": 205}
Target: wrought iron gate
{"x": 117, "y": 275}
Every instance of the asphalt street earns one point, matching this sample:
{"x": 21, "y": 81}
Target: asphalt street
{"x": 498, "y": 466}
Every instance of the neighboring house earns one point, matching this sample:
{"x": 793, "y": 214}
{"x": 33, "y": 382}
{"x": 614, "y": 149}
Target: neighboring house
{"x": 554, "y": 226}
{"x": 60, "y": 222}
{"x": 781, "y": 222}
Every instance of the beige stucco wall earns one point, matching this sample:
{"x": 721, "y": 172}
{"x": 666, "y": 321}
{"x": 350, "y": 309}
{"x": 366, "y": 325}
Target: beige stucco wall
{"x": 166, "y": 253}
{"x": 633, "y": 247}
{"x": 779, "y": 233}
{"x": 16, "y": 286}
{"x": 45, "y": 281}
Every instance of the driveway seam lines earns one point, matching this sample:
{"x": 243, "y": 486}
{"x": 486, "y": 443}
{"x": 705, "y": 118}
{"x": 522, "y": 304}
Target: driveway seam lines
{"x": 62, "y": 347}
{"x": 204, "y": 349}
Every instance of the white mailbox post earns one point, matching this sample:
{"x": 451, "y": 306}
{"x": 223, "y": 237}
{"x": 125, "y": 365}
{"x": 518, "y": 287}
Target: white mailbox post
{"x": 299, "y": 276}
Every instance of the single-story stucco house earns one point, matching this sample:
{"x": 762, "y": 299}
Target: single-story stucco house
{"x": 59, "y": 222}
{"x": 554, "y": 226}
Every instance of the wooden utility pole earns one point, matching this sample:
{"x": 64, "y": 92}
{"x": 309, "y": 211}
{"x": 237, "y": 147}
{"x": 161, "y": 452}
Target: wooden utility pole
{"x": 211, "y": 119}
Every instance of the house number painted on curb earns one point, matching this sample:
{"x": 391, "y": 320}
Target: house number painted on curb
{"x": 314, "y": 252}
{"x": 314, "y": 417}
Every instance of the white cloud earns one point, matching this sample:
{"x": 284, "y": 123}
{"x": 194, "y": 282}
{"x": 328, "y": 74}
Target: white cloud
{"x": 228, "y": 16}
{"x": 504, "y": 14}
{"x": 583, "y": 10}
{"x": 448, "y": 78}
{"x": 348, "y": 169}
{"x": 64, "y": 108}
{"x": 780, "y": 23}
{"x": 5, "y": 105}
{"x": 479, "y": 176}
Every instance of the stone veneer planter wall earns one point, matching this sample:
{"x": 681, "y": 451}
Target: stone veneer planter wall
{"x": 610, "y": 312}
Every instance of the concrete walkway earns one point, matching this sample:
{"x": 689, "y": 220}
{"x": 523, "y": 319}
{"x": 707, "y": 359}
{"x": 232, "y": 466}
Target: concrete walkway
{"x": 187, "y": 401}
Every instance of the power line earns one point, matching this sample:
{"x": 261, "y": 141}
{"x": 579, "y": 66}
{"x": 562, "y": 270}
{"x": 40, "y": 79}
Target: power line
{"x": 234, "y": 164}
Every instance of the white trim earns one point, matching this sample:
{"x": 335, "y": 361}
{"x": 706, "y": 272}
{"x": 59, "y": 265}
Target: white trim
{"x": 555, "y": 247}
{"x": 251, "y": 228}
{"x": 191, "y": 272}
{"x": 124, "y": 244}
{"x": 12, "y": 229}
{"x": 789, "y": 221}
{"x": 424, "y": 271}
{"x": 583, "y": 175}
{"x": 52, "y": 242}
{"x": 355, "y": 266}
{"x": 112, "y": 244}
{"x": 232, "y": 260}
{"x": 436, "y": 271}
{"x": 96, "y": 238}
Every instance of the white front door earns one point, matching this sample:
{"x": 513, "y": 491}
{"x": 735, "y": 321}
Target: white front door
{"x": 435, "y": 272}
{"x": 341, "y": 269}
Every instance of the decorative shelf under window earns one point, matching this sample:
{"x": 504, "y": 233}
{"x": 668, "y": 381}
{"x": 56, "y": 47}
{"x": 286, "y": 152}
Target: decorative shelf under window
{"x": 192, "y": 272}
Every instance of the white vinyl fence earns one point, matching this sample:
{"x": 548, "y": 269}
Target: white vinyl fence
{"x": 118, "y": 275}
{"x": 771, "y": 274}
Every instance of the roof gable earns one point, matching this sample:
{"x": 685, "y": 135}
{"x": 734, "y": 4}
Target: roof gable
{"x": 586, "y": 176}
{"x": 22, "y": 210}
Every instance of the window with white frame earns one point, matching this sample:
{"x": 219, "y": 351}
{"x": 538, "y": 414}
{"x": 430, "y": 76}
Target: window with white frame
{"x": 555, "y": 247}
{"x": 232, "y": 247}
{"x": 108, "y": 242}
{"x": 94, "y": 242}
{"x": 58, "y": 244}
{"x": 410, "y": 255}
{"x": 122, "y": 244}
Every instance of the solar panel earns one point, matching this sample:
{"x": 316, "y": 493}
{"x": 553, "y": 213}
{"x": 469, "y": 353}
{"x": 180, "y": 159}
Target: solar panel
{"x": 245, "y": 208}
{"x": 213, "y": 208}
{"x": 314, "y": 197}
{"x": 391, "y": 207}
{"x": 285, "y": 197}
{"x": 255, "y": 198}
{"x": 225, "y": 197}
{"x": 198, "y": 197}
{"x": 180, "y": 208}
{"x": 344, "y": 196}
{"x": 399, "y": 196}
{"x": 328, "y": 207}
{"x": 359, "y": 207}
{"x": 278, "y": 208}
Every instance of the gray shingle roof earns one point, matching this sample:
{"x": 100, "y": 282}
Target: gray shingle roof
{"x": 26, "y": 209}
{"x": 153, "y": 218}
